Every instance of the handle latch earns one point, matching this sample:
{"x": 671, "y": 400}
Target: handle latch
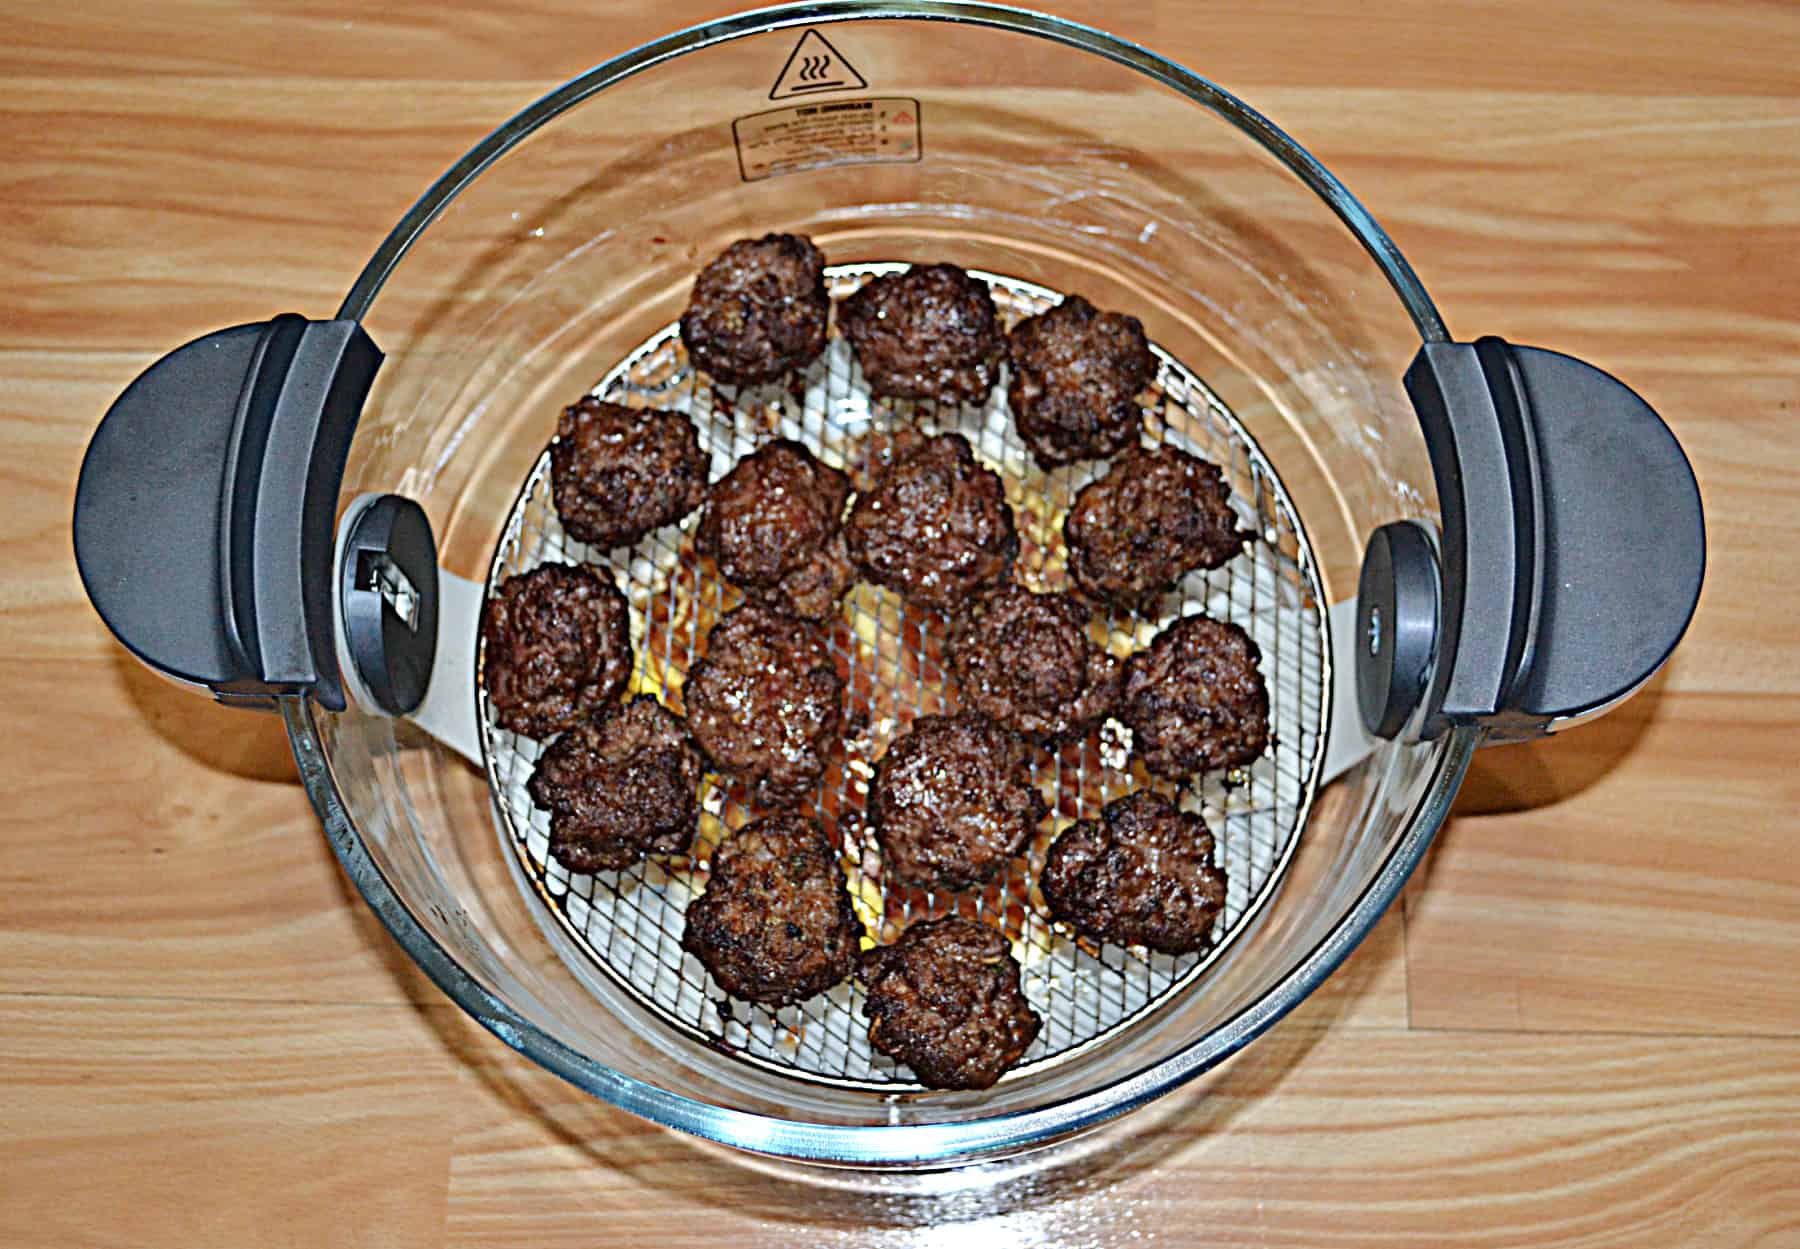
{"x": 1569, "y": 561}
{"x": 205, "y": 509}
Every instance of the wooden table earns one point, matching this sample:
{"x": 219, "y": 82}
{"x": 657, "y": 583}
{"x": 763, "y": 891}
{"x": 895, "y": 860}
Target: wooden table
{"x": 1581, "y": 1028}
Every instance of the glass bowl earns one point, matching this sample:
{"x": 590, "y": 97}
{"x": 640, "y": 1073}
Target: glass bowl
{"x": 1007, "y": 142}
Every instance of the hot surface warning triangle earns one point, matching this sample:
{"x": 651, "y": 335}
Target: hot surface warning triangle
{"x": 815, "y": 66}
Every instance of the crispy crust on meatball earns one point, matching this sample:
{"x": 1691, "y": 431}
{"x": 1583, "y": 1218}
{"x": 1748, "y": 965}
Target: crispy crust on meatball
{"x": 1156, "y": 516}
{"x": 945, "y": 1000}
{"x": 775, "y": 924}
{"x": 931, "y": 332}
{"x": 616, "y": 473}
{"x": 1076, "y": 374}
{"x": 952, "y": 802}
{"x": 1142, "y": 874}
{"x": 1027, "y": 660}
{"x": 759, "y": 310}
{"x": 620, "y": 786}
{"x": 557, "y": 647}
{"x": 936, "y": 527}
{"x": 766, "y": 702}
{"x": 774, "y": 526}
{"x": 1195, "y": 700}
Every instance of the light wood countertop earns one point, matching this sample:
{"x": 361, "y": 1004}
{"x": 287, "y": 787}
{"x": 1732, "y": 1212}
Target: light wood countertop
{"x": 1581, "y": 1028}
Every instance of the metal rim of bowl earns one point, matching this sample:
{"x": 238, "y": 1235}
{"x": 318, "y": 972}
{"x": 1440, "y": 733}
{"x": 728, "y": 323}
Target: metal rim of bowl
{"x": 897, "y": 1144}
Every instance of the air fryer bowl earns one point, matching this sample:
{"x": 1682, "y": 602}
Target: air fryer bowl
{"x": 570, "y": 236}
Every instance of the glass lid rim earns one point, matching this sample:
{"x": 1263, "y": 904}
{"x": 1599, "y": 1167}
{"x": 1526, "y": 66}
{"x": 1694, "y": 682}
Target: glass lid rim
{"x": 1369, "y": 233}
{"x": 910, "y": 1144}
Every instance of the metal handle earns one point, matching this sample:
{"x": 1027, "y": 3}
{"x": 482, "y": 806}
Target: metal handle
{"x": 204, "y": 513}
{"x": 1570, "y": 559}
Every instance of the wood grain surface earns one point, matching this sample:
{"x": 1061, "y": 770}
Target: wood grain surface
{"x": 1581, "y": 1028}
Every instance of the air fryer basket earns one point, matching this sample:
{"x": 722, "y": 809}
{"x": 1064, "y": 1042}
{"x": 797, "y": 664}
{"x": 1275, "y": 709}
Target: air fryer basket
{"x": 1450, "y": 537}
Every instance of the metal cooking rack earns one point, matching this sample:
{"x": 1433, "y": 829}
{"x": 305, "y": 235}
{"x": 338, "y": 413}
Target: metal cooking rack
{"x": 628, "y": 924}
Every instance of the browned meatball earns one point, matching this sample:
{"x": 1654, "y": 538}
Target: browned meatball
{"x": 952, "y": 801}
{"x": 928, "y": 333}
{"x": 619, "y": 786}
{"x": 1027, "y": 660}
{"x": 766, "y": 702}
{"x": 1154, "y": 517}
{"x": 1142, "y": 874}
{"x": 759, "y": 310}
{"x": 557, "y": 646}
{"x": 945, "y": 1000}
{"x": 775, "y": 924}
{"x": 1076, "y": 373}
{"x": 936, "y": 527}
{"x": 1195, "y": 700}
{"x": 774, "y": 525}
{"x": 616, "y": 473}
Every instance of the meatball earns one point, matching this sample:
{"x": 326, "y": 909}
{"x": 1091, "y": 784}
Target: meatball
{"x": 774, "y": 525}
{"x": 775, "y": 924}
{"x": 759, "y": 310}
{"x": 1154, "y": 517}
{"x": 945, "y": 1000}
{"x": 928, "y": 333}
{"x": 620, "y": 786}
{"x": 936, "y": 527}
{"x": 766, "y": 702}
{"x": 1027, "y": 660}
{"x": 952, "y": 801}
{"x": 1142, "y": 874}
{"x": 1195, "y": 700}
{"x": 1076, "y": 373}
{"x": 616, "y": 473}
{"x": 557, "y": 647}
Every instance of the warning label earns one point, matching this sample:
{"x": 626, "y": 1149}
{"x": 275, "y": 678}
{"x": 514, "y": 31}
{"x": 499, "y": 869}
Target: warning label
{"x": 814, "y": 65}
{"x": 811, "y": 136}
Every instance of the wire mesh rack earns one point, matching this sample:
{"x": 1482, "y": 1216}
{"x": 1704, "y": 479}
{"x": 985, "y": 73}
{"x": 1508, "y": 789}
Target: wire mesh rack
{"x": 892, "y": 658}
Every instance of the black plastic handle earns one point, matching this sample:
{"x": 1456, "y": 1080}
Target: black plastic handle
{"x": 1570, "y": 560}
{"x": 205, "y": 509}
